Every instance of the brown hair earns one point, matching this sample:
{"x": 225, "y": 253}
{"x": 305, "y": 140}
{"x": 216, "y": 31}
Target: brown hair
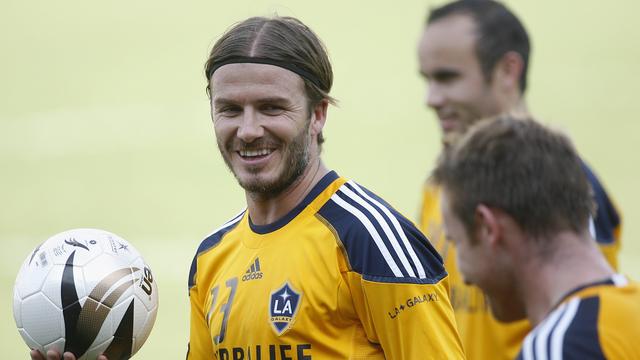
{"x": 284, "y": 39}
{"x": 521, "y": 167}
{"x": 498, "y": 32}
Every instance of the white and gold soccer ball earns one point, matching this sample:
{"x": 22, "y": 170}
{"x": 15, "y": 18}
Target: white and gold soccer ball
{"x": 87, "y": 291}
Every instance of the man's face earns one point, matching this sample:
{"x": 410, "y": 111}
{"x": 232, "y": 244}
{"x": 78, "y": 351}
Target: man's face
{"x": 261, "y": 121}
{"x": 470, "y": 257}
{"x": 458, "y": 91}
{"x": 483, "y": 264}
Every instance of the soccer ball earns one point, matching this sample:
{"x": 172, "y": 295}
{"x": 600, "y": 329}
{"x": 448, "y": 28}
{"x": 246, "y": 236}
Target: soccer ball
{"x": 86, "y": 291}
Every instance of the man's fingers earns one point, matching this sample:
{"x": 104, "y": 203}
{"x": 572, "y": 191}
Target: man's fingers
{"x": 35, "y": 355}
{"x": 53, "y": 355}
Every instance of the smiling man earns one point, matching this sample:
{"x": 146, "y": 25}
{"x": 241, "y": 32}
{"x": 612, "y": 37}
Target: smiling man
{"x": 474, "y": 56}
{"x": 316, "y": 267}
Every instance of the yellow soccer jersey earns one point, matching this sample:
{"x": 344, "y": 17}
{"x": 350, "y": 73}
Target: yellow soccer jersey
{"x": 596, "y": 321}
{"x": 482, "y": 336}
{"x": 342, "y": 276}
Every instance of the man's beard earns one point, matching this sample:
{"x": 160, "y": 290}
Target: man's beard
{"x": 296, "y": 158}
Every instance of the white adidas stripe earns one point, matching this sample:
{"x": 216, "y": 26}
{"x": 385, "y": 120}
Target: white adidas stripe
{"x": 372, "y": 231}
{"x": 533, "y": 338}
{"x": 385, "y": 227}
{"x": 396, "y": 225}
{"x": 234, "y": 220}
{"x": 557, "y": 339}
{"x": 527, "y": 347}
{"x": 541, "y": 333}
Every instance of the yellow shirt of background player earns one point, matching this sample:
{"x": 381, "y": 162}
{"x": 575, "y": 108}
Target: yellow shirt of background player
{"x": 482, "y": 336}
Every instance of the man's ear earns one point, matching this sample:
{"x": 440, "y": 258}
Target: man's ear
{"x": 488, "y": 225}
{"x": 508, "y": 71}
{"x": 319, "y": 117}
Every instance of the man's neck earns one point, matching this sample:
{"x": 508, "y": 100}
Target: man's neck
{"x": 267, "y": 210}
{"x": 547, "y": 278}
{"x": 519, "y": 108}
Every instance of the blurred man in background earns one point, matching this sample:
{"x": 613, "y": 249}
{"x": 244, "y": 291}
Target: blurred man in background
{"x": 522, "y": 236}
{"x": 475, "y": 56}
{"x": 316, "y": 267}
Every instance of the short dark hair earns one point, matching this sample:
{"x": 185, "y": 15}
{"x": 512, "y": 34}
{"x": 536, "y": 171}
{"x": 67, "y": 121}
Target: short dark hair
{"x": 278, "y": 38}
{"x": 498, "y": 32}
{"x": 521, "y": 167}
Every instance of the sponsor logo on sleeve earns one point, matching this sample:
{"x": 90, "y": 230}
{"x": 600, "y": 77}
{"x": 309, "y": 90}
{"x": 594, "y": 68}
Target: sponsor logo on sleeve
{"x": 412, "y": 302}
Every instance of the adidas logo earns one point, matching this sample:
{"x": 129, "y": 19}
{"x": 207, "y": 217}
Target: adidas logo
{"x": 253, "y": 272}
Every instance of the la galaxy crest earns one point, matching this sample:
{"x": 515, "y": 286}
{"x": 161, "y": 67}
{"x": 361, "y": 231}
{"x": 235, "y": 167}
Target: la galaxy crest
{"x": 283, "y": 307}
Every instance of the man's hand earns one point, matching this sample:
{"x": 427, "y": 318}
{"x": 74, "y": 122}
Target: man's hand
{"x": 54, "y": 355}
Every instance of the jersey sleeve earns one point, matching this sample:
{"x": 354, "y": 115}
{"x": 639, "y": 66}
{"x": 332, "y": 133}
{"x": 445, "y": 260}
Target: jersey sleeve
{"x": 397, "y": 280}
{"x": 569, "y": 332}
{"x": 607, "y": 220}
{"x": 199, "y": 343}
{"x": 408, "y": 320}
{"x": 200, "y": 346}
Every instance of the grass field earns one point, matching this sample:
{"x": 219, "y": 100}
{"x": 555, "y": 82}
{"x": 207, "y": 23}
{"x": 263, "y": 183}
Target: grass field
{"x": 104, "y": 120}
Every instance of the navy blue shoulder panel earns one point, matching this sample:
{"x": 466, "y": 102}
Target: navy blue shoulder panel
{"x": 380, "y": 244}
{"x": 608, "y": 281}
{"x": 581, "y": 341}
{"x": 607, "y": 218}
{"x": 211, "y": 241}
{"x": 570, "y": 331}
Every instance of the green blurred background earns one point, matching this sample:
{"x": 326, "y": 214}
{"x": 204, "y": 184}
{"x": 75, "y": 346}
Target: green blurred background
{"x": 104, "y": 120}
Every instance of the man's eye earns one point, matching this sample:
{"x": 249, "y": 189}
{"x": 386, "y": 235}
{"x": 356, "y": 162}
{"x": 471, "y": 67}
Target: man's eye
{"x": 272, "y": 109}
{"x": 444, "y": 77}
{"x": 229, "y": 111}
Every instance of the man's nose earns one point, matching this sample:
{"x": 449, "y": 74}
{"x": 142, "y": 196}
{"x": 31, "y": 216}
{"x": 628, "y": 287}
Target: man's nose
{"x": 250, "y": 127}
{"x": 435, "y": 98}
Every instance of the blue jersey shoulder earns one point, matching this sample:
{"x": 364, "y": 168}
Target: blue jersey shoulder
{"x": 380, "y": 244}
{"x": 210, "y": 241}
{"x": 570, "y": 332}
{"x": 606, "y": 219}
{"x": 582, "y": 340}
